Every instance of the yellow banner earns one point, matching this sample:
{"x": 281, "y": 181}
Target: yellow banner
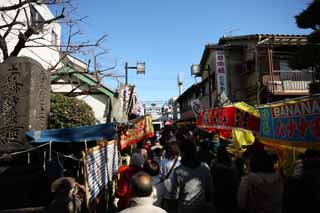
{"x": 142, "y": 130}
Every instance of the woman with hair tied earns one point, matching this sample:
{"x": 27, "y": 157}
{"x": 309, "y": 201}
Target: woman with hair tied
{"x": 261, "y": 191}
{"x": 192, "y": 188}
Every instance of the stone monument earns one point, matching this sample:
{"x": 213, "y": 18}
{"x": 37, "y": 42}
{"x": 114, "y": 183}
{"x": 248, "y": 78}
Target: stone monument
{"x": 24, "y": 99}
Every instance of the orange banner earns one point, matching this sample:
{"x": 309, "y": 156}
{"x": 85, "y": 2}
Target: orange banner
{"x": 142, "y": 130}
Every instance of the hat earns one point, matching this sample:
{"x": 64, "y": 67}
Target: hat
{"x": 63, "y": 185}
{"x": 156, "y": 146}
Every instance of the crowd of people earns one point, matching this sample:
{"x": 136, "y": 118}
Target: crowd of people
{"x": 182, "y": 172}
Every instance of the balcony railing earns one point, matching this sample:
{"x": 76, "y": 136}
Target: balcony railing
{"x": 288, "y": 82}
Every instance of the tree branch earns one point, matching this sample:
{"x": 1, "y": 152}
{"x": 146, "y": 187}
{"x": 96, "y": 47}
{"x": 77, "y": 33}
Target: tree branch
{"x": 4, "y": 48}
{"x": 22, "y": 3}
{"x": 14, "y": 22}
{"x": 33, "y": 29}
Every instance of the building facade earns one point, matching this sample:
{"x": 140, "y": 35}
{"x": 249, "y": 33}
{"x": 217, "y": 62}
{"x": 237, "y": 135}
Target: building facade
{"x": 44, "y": 50}
{"x": 73, "y": 80}
{"x": 254, "y": 69}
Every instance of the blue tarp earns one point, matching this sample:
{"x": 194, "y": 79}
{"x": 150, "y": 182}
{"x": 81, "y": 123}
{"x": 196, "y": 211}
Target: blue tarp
{"x": 77, "y": 134}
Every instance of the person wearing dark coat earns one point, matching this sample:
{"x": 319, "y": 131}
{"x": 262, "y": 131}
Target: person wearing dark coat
{"x": 302, "y": 190}
{"x": 225, "y": 182}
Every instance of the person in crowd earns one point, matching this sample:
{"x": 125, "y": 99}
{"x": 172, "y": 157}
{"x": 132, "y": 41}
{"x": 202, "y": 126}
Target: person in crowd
{"x": 167, "y": 166}
{"x": 261, "y": 191}
{"x": 68, "y": 196}
{"x": 123, "y": 191}
{"x": 143, "y": 152}
{"x": 147, "y": 145}
{"x": 205, "y": 154}
{"x": 192, "y": 187}
{"x": 302, "y": 191}
{"x": 141, "y": 184}
{"x": 157, "y": 151}
{"x": 225, "y": 182}
{"x": 151, "y": 167}
{"x": 239, "y": 167}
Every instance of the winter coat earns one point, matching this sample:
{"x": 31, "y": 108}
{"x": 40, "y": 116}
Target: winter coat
{"x": 124, "y": 191}
{"x": 261, "y": 193}
{"x": 142, "y": 204}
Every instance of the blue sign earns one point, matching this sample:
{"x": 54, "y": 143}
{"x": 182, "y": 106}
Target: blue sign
{"x": 291, "y": 121}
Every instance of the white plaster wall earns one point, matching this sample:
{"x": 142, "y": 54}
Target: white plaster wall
{"x": 98, "y": 104}
{"x": 46, "y": 56}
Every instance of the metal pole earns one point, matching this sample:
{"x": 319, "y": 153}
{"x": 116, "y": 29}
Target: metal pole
{"x": 258, "y": 76}
{"x": 126, "y": 69}
{"x": 209, "y": 79}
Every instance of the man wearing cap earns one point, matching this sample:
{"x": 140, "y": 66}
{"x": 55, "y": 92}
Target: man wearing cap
{"x": 157, "y": 151}
{"x": 141, "y": 184}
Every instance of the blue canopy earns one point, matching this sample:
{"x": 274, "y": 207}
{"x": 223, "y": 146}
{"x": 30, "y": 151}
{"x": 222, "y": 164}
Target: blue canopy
{"x": 77, "y": 134}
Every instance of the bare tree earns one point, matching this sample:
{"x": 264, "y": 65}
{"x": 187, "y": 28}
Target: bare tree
{"x": 30, "y": 32}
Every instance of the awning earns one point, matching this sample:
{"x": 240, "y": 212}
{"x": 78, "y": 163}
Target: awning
{"x": 224, "y": 119}
{"x": 77, "y": 134}
{"x": 294, "y": 122}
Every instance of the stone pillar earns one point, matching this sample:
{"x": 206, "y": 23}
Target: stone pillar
{"x": 24, "y": 98}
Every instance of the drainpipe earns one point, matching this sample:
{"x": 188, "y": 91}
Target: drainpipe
{"x": 257, "y": 76}
{"x": 258, "y": 71}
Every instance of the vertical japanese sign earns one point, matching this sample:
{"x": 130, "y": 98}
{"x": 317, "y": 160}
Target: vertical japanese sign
{"x": 124, "y": 97}
{"x": 293, "y": 122}
{"x": 196, "y": 107}
{"x": 221, "y": 73}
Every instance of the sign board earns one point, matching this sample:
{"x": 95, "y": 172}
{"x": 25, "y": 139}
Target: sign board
{"x": 221, "y": 73}
{"x": 293, "y": 122}
{"x": 142, "y": 130}
{"x": 196, "y": 107}
{"x": 101, "y": 163}
{"x": 126, "y": 93}
{"x": 224, "y": 119}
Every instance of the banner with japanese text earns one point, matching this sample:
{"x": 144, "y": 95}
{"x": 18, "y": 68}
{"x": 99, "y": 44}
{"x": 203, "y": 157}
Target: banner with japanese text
{"x": 292, "y": 122}
{"x": 142, "y": 130}
{"x": 224, "y": 119}
{"x": 221, "y": 73}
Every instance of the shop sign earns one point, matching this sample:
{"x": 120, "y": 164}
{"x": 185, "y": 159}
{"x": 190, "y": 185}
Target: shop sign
{"x": 227, "y": 118}
{"x": 292, "y": 121}
{"x": 221, "y": 73}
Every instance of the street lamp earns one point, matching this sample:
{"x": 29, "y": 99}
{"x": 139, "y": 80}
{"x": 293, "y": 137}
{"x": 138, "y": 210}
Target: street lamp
{"x": 140, "y": 67}
{"x": 196, "y": 70}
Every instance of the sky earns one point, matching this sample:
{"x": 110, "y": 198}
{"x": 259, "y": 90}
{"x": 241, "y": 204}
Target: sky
{"x": 170, "y": 35}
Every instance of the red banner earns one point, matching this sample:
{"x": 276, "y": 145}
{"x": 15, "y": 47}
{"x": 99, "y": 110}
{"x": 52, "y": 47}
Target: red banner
{"x": 142, "y": 130}
{"x": 223, "y": 119}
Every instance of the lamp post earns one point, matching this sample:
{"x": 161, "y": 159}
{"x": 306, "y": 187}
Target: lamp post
{"x": 140, "y": 67}
{"x": 196, "y": 70}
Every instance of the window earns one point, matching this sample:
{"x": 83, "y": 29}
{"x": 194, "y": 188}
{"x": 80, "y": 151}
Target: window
{"x": 36, "y": 18}
{"x": 284, "y": 65}
{"x": 54, "y": 38}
